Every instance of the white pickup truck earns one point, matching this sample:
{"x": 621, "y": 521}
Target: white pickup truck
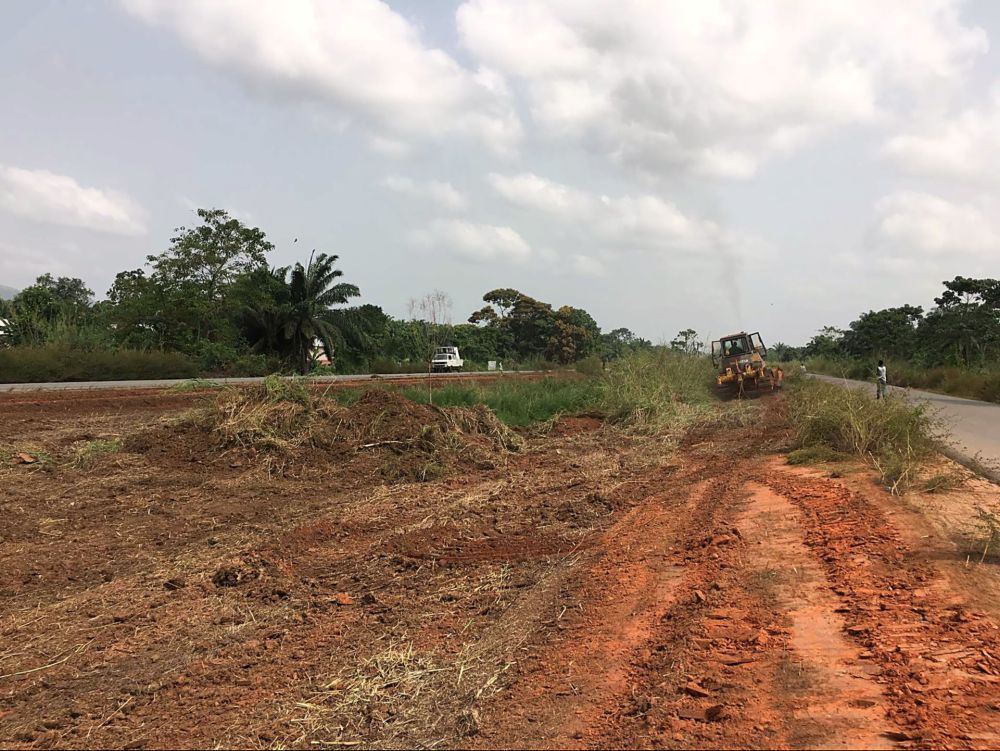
{"x": 446, "y": 360}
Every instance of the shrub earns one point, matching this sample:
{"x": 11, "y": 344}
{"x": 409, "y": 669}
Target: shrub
{"x": 816, "y": 454}
{"x": 46, "y": 364}
{"x": 591, "y": 366}
{"x": 894, "y": 435}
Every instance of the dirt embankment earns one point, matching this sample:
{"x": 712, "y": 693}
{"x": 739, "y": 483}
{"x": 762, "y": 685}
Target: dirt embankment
{"x": 588, "y": 589}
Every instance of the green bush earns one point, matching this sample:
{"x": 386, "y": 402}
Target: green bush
{"x": 591, "y": 366}
{"x": 47, "y": 364}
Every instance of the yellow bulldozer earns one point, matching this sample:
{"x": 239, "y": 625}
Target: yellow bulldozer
{"x": 740, "y": 362}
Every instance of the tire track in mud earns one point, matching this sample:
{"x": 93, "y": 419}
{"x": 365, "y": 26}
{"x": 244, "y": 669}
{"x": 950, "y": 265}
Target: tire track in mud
{"x": 938, "y": 659}
{"x": 795, "y": 616}
{"x": 607, "y": 612}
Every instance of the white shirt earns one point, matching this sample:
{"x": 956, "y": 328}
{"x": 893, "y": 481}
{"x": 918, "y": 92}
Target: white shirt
{"x": 881, "y": 373}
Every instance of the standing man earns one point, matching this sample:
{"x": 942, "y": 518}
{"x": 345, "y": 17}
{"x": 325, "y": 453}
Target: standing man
{"x": 880, "y": 380}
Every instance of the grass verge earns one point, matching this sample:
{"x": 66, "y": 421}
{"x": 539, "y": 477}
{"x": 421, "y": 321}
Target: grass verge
{"x": 893, "y": 435}
{"x": 983, "y": 383}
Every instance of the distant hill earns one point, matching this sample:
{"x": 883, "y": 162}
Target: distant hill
{"x": 6, "y": 293}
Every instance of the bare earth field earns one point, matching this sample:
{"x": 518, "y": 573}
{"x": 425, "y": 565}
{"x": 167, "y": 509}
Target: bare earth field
{"x": 432, "y": 581}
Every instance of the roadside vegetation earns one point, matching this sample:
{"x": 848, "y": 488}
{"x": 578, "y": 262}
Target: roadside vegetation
{"x": 979, "y": 383}
{"x": 211, "y": 305}
{"x": 953, "y": 348}
{"x": 894, "y": 436}
{"x": 54, "y": 363}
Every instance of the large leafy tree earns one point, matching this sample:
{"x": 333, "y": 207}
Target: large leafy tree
{"x": 687, "y": 341}
{"x": 964, "y": 328}
{"x": 574, "y": 335}
{"x": 189, "y": 295}
{"x": 889, "y": 332}
{"x": 48, "y": 309}
{"x": 826, "y": 343}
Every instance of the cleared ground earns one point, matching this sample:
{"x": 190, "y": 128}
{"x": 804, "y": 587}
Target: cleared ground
{"x": 590, "y": 589}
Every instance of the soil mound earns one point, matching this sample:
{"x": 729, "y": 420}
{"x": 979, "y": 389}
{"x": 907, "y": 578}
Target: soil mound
{"x": 281, "y": 429}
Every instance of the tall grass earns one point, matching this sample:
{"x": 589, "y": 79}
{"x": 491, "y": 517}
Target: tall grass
{"x": 894, "y": 435}
{"x": 517, "y": 402}
{"x": 46, "y": 364}
{"x": 647, "y": 391}
{"x": 653, "y": 390}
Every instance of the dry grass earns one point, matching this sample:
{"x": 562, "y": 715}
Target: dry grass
{"x": 87, "y": 453}
{"x": 894, "y": 436}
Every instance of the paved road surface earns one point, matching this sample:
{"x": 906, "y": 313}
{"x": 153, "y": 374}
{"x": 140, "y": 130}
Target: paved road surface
{"x": 974, "y": 425}
{"x": 167, "y": 383}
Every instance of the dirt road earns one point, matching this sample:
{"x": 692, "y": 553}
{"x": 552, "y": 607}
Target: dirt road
{"x": 594, "y": 589}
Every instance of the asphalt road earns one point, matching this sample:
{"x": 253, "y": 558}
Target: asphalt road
{"x": 974, "y": 425}
{"x": 167, "y": 383}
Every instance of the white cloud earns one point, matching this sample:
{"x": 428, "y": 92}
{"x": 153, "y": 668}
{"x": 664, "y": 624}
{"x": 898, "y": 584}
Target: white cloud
{"x": 629, "y": 222}
{"x": 718, "y": 87}
{"x": 528, "y": 190}
{"x": 919, "y": 223}
{"x": 966, "y": 146}
{"x": 358, "y": 55}
{"x": 479, "y": 242}
{"x": 587, "y": 266}
{"x": 58, "y": 199}
{"x": 388, "y": 147}
{"x": 443, "y": 194}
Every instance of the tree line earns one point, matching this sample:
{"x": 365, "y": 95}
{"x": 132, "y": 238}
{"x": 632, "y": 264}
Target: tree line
{"x": 961, "y": 330}
{"x": 213, "y": 297}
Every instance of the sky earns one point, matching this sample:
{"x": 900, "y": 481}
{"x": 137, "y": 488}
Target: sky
{"x": 761, "y": 164}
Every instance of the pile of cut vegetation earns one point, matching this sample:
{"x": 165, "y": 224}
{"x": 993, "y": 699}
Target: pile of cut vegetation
{"x": 280, "y": 425}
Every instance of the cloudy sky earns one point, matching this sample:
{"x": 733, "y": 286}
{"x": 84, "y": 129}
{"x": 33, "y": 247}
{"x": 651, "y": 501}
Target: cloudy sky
{"x": 720, "y": 165}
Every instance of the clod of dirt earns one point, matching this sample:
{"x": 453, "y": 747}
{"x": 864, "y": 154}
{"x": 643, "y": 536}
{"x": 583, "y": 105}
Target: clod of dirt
{"x": 469, "y": 722}
{"x": 695, "y": 690}
{"x": 233, "y": 575}
{"x": 899, "y": 736}
{"x": 703, "y": 714}
{"x": 172, "y": 585}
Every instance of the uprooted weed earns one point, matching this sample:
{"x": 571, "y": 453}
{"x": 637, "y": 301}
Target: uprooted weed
{"x": 401, "y": 697}
{"x": 279, "y": 423}
{"x": 893, "y": 435}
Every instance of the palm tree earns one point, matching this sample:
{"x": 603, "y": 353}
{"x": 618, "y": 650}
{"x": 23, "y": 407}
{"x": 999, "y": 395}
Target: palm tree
{"x": 312, "y": 294}
{"x": 298, "y": 310}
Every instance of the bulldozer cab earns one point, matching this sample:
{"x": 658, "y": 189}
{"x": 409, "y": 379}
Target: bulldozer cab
{"x": 737, "y": 345}
{"x": 739, "y": 359}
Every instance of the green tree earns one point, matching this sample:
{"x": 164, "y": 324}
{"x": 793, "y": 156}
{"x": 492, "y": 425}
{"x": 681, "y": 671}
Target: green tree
{"x": 781, "y": 352}
{"x": 196, "y": 275}
{"x": 574, "y": 335}
{"x": 964, "y": 328}
{"x": 301, "y": 311}
{"x": 50, "y": 311}
{"x": 826, "y": 343}
{"x": 882, "y": 333}
{"x": 687, "y": 341}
